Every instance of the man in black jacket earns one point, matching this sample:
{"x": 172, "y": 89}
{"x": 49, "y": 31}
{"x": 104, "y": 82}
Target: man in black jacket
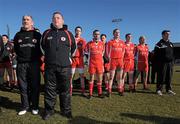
{"x": 27, "y": 48}
{"x": 58, "y": 45}
{"x": 164, "y": 56}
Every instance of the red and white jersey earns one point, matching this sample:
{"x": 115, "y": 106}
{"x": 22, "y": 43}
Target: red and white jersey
{"x": 81, "y": 43}
{"x": 116, "y": 49}
{"x": 142, "y": 52}
{"x": 95, "y": 51}
{"x": 129, "y": 51}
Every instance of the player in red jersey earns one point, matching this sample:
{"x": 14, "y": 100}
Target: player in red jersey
{"x": 106, "y": 63}
{"x": 129, "y": 61}
{"x": 77, "y": 60}
{"x": 142, "y": 61}
{"x": 116, "y": 48}
{"x": 95, "y": 51}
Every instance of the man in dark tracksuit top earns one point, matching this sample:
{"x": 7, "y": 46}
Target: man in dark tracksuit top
{"x": 164, "y": 56}
{"x": 27, "y": 48}
{"x": 58, "y": 45}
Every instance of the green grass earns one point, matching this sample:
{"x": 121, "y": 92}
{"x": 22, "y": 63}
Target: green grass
{"x": 142, "y": 107}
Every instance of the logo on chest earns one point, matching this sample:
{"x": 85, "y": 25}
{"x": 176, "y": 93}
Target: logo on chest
{"x": 49, "y": 38}
{"x": 63, "y": 39}
{"x": 34, "y": 40}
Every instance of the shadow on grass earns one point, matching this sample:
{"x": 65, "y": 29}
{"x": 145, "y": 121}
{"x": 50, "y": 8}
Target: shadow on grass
{"x": 9, "y": 104}
{"x": 147, "y": 91}
{"x": 152, "y": 118}
{"x": 86, "y": 120}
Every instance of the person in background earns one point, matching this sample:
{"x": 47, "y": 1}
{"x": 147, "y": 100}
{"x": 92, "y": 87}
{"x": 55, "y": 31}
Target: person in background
{"x": 106, "y": 63}
{"x": 164, "y": 59}
{"x": 78, "y": 59}
{"x": 116, "y": 49}
{"x": 95, "y": 51}
{"x": 58, "y": 45}
{"x": 142, "y": 61}
{"x": 27, "y": 49}
{"x": 129, "y": 61}
{"x": 153, "y": 68}
{"x": 13, "y": 59}
{"x": 6, "y": 60}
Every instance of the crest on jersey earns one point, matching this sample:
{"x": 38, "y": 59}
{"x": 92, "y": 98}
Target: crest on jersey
{"x": 34, "y": 40}
{"x": 8, "y": 48}
{"x": 63, "y": 39}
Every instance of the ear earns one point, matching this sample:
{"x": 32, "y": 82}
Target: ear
{"x": 32, "y": 23}
{"x": 63, "y": 21}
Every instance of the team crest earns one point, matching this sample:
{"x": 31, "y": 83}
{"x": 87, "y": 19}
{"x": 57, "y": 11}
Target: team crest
{"x": 63, "y": 39}
{"x": 34, "y": 40}
{"x": 8, "y": 48}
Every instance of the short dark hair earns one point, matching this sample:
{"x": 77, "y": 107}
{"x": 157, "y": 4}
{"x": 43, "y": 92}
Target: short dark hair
{"x": 127, "y": 35}
{"x": 103, "y": 35}
{"x": 95, "y": 31}
{"x": 164, "y": 31}
{"x": 115, "y": 30}
{"x": 4, "y": 35}
{"x": 27, "y": 16}
{"x": 141, "y": 37}
{"x": 57, "y": 12}
{"x": 78, "y": 27}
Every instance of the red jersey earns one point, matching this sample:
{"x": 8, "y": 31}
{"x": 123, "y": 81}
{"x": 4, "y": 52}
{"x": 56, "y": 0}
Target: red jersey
{"x": 81, "y": 43}
{"x": 116, "y": 49}
{"x": 142, "y": 51}
{"x": 95, "y": 52}
{"x": 129, "y": 51}
{"x": 129, "y": 57}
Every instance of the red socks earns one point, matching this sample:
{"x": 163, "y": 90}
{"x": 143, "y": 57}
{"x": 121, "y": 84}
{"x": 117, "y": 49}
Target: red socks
{"x": 106, "y": 85}
{"x": 121, "y": 88}
{"x": 91, "y": 85}
{"x": 99, "y": 87}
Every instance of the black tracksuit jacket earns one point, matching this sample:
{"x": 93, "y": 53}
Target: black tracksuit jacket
{"x": 57, "y": 46}
{"x": 164, "y": 51}
{"x": 27, "y": 45}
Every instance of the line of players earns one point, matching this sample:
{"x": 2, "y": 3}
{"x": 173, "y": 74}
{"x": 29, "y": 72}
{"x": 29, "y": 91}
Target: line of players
{"x": 111, "y": 60}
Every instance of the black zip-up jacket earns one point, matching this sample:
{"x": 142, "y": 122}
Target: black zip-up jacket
{"x": 27, "y": 46}
{"x": 59, "y": 46}
{"x": 163, "y": 51}
{"x": 7, "y": 52}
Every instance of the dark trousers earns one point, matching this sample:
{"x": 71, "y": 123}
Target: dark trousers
{"x": 153, "y": 73}
{"x": 28, "y": 75}
{"x": 57, "y": 79}
{"x": 164, "y": 75}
